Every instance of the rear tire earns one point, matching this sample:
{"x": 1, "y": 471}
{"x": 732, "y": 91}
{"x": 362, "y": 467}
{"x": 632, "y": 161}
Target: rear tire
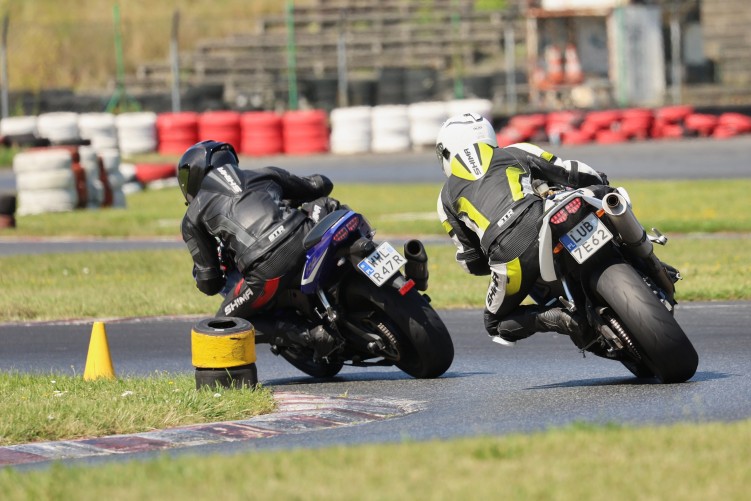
{"x": 664, "y": 347}
{"x": 425, "y": 348}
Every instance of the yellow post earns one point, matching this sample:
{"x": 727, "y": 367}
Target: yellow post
{"x": 98, "y": 361}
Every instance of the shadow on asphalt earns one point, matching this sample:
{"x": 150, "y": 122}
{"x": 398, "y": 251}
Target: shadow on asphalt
{"x": 361, "y": 377}
{"x": 633, "y": 381}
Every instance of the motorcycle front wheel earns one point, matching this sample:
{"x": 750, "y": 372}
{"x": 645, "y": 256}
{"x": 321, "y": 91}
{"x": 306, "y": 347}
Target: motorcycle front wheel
{"x": 302, "y": 359}
{"x": 661, "y": 342}
{"x": 419, "y": 342}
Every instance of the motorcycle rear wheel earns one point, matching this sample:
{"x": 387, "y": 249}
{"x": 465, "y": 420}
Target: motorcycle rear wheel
{"x": 424, "y": 345}
{"x": 664, "y": 347}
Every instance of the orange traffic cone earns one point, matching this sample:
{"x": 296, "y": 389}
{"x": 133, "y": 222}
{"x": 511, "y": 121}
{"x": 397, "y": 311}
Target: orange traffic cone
{"x": 573, "y": 66}
{"x": 98, "y": 361}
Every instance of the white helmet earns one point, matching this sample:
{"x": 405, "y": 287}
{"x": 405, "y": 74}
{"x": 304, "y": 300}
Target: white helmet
{"x": 459, "y": 132}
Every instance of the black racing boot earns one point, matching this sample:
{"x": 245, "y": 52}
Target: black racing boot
{"x": 528, "y": 320}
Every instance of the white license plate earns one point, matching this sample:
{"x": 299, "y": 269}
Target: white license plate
{"x": 382, "y": 264}
{"x": 586, "y": 238}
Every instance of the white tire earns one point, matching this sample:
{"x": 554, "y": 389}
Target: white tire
{"x": 18, "y": 126}
{"x": 110, "y": 158}
{"x": 99, "y": 128}
{"x": 425, "y": 121}
{"x": 41, "y": 201}
{"x": 136, "y": 132}
{"x": 351, "y": 129}
{"x": 59, "y": 127}
{"x": 42, "y": 160}
{"x": 391, "y": 127}
{"x": 45, "y": 180}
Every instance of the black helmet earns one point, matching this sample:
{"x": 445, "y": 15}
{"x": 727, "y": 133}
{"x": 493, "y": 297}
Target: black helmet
{"x": 198, "y": 160}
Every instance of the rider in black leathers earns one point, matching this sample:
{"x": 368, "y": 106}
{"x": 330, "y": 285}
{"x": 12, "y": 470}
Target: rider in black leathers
{"x": 244, "y": 230}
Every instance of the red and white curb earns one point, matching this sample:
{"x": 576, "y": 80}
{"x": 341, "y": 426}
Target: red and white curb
{"x": 296, "y": 413}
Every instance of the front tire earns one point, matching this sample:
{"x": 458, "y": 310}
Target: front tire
{"x": 303, "y": 359}
{"x": 664, "y": 347}
{"x": 424, "y": 346}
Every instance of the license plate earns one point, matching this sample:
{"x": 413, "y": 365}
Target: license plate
{"x": 382, "y": 264}
{"x": 586, "y": 238}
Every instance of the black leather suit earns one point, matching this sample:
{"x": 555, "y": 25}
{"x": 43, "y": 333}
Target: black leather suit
{"x": 253, "y": 216}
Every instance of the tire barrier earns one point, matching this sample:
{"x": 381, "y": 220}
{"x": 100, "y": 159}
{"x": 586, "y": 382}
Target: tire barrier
{"x": 224, "y": 353}
{"x": 53, "y": 169}
{"x": 351, "y": 129}
{"x": 100, "y": 129}
{"x": 64, "y": 178}
{"x": 305, "y": 132}
{"x": 97, "y": 181}
{"x": 732, "y": 124}
{"x": 146, "y": 173}
{"x": 222, "y": 126}
{"x": 176, "y": 132}
{"x": 109, "y": 159}
{"x": 7, "y": 210}
{"x": 425, "y": 122}
{"x": 59, "y": 127}
{"x": 261, "y": 133}
{"x": 390, "y": 128}
{"x": 19, "y": 131}
{"x": 136, "y": 132}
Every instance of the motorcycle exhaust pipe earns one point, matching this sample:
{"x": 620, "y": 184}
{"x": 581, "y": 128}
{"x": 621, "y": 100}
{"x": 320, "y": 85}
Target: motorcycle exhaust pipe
{"x": 635, "y": 238}
{"x": 625, "y": 222}
{"x": 417, "y": 263}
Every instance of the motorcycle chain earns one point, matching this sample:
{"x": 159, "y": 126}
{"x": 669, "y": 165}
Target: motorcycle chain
{"x": 624, "y": 336}
{"x": 394, "y": 344}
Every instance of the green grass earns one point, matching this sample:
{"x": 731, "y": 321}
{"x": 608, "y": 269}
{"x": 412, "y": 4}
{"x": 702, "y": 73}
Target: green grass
{"x": 159, "y": 282}
{"x": 405, "y": 209}
{"x": 56, "y": 407}
{"x": 581, "y": 462}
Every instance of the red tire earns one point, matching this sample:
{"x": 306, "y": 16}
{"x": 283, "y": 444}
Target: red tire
{"x": 261, "y": 133}
{"x": 222, "y": 126}
{"x": 176, "y": 132}
{"x": 146, "y": 173}
{"x": 305, "y": 132}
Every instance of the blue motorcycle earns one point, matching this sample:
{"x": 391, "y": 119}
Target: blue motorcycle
{"x": 376, "y": 313}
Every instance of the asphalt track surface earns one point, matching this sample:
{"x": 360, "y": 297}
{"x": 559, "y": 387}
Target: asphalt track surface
{"x": 542, "y": 382}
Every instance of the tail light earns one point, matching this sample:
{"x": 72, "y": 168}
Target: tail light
{"x": 570, "y": 208}
{"x": 343, "y": 232}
